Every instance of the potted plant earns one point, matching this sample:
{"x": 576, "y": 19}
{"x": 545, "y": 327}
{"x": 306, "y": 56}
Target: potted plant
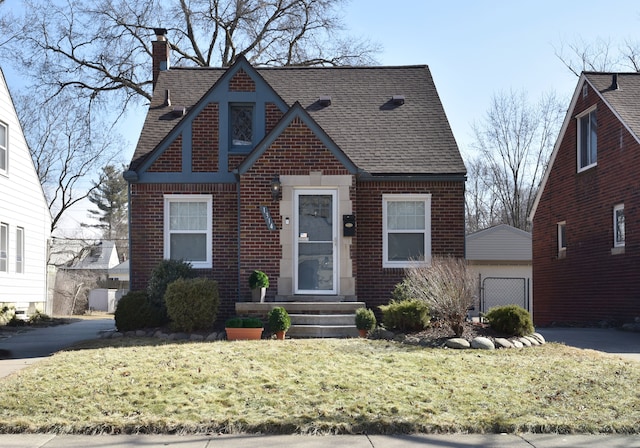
{"x": 258, "y": 282}
{"x": 279, "y": 321}
{"x": 243, "y": 328}
{"x": 365, "y": 321}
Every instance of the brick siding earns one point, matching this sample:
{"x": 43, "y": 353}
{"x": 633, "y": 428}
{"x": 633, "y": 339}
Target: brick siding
{"x": 170, "y": 161}
{"x": 242, "y": 82}
{"x": 589, "y": 284}
{"x": 205, "y": 140}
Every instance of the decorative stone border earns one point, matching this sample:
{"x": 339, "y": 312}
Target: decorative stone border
{"x": 483, "y": 343}
{"x": 159, "y": 334}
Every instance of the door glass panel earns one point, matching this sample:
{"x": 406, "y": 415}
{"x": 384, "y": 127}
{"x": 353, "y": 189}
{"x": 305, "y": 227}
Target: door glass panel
{"x": 315, "y": 242}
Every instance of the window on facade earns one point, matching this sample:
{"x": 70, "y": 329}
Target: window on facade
{"x": 587, "y": 140}
{"x": 406, "y": 230}
{"x": 19, "y": 250}
{"x": 618, "y": 225}
{"x": 241, "y": 126}
{"x": 4, "y": 247}
{"x": 562, "y": 238}
{"x": 4, "y": 150}
{"x": 187, "y": 234}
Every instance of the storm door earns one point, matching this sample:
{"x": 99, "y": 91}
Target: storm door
{"x": 315, "y": 261}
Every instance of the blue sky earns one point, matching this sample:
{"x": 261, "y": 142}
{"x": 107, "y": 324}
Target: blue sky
{"x": 475, "y": 49}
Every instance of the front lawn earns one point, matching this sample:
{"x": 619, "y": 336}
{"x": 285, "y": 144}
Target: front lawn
{"x": 320, "y": 386}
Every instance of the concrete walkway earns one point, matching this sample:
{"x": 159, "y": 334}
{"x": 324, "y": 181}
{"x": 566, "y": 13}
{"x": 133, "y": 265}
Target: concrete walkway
{"x": 31, "y": 346}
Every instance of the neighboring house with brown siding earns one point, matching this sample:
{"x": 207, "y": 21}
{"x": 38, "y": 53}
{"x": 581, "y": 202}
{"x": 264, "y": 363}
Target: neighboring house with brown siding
{"x": 586, "y": 239}
{"x": 368, "y": 177}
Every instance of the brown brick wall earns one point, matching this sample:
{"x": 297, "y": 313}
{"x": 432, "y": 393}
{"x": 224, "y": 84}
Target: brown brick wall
{"x": 272, "y": 116}
{"x": 589, "y": 284}
{"x": 205, "y": 140}
{"x": 147, "y": 237}
{"x": 242, "y": 82}
{"x": 170, "y": 161}
{"x": 375, "y": 283}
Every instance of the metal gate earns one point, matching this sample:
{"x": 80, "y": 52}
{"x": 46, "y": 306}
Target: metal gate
{"x": 500, "y": 291}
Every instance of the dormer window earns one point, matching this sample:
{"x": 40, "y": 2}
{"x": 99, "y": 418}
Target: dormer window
{"x": 241, "y": 119}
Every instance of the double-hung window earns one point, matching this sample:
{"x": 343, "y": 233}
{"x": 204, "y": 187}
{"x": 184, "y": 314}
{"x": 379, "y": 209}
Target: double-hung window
{"x": 406, "y": 230}
{"x": 241, "y": 126}
{"x": 587, "y": 140}
{"x": 19, "y": 250}
{"x": 187, "y": 229}
{"x": 618, "y": 225}
{"x": 4, "y": 247}
{"x": 4, "y": 148}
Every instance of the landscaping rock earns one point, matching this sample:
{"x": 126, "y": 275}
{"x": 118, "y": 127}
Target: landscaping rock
{"x": 540, "y": 338}
{"x": 457, "y": 343}
{"x": 531, "y": 339}
{"x": 517, "y": 344}
{"x": 196, "y": 337}
{"x": 116, "y": 335}
{"x": 525, "y": 342}
{"x": 213, "y": 337}
{"x": 178, "y": 336}
{"x": 504, "y": 343}
{"x": 130, "y": 334}
{"x": 141, "y": 333}
{"x": 412, "y": 340}
{"x": 482, "y": 343}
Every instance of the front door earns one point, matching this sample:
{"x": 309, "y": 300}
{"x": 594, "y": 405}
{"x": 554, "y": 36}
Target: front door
{"x": 315, "y": 261}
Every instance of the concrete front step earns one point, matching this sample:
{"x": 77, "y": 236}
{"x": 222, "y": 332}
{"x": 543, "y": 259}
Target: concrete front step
{"x": 323, "y": 319}
{"x": 258, "y": 308}
{"x": 323, "y": 331}
{"x": 315, "y": 298}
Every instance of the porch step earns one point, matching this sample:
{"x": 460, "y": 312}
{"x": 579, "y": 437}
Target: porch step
{"x": 315, "y": 298}
{"x": 311, "y": 319}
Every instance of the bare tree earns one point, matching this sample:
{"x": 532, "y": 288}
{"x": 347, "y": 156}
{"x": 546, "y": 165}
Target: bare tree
{"x": 67, "y": 146}
{"x": 103, "y": 47}
{"x": 514, "y": 142}
{"x": 600, "y": 55}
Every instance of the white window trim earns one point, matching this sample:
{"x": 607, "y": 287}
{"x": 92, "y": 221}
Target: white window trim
{"x": 562, "y": 250}
{"x": 20, "y": 250}
{"x": 6, "y": 245}
{"x": 168, "y": 198}
{"x": 386, "y": 198}
{"x": 617, "y": 243}
{"x": 6, "y": 149}
{"x": 579, "y": 141}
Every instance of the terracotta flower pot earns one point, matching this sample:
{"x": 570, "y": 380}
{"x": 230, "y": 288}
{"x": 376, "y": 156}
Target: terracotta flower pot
{"x": 363, "y": 333}
{"x": 243, "y": 334}
{"x": 280, "y": 335}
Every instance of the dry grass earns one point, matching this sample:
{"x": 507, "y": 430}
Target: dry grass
{"x": 320, "y": 386}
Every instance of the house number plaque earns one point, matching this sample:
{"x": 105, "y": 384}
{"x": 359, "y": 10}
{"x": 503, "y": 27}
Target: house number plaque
{"x": 267, "y": 218}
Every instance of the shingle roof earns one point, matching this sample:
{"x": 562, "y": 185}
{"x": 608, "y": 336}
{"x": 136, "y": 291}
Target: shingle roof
{"x": 414, "y": 138}
{"x": 625, "y": 99}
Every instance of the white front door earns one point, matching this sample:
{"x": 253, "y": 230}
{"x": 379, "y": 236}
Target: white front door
{"x": 315, "y": 258}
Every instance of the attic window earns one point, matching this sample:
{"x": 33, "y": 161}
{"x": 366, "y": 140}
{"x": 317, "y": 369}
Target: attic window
{"x": 241, "y": 126}
{"x": 324, "y": 100}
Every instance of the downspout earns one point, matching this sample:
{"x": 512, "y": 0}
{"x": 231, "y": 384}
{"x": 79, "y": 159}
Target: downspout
{"x": 238, "y": 230}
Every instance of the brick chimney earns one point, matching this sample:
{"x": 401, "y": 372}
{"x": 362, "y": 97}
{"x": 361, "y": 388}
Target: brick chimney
{"x": 160, "y": 53}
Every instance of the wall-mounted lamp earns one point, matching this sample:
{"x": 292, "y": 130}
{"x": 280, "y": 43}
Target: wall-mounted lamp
{"x": 276, "y": 186}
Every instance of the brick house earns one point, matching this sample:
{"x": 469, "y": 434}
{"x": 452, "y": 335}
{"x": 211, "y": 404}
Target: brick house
{"x": 586, "y": 248}
{"x": 293, "y": 171}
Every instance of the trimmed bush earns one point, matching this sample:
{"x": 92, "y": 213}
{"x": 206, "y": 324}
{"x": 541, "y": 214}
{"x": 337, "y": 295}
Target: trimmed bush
{"x": 365, "y": 319}
{"x": 405, "y": 315}
{"x": 192, "y": 304}
{"x": 134, "y": 312}
{"x": 258, "y": 279}
{"x": 167, "y": 271}
{"x": 243, "y": 322}
{"x": 512, "y": 320}
{"x": 279, "y": 319}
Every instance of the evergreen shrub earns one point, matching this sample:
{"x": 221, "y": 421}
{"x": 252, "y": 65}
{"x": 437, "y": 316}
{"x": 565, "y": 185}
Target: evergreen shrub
{"x": 134, "y": 312}
{"x": 192, "y": 304}
{"x": 512, "y": 320}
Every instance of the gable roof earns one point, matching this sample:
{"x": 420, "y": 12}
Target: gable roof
{"x": 624, "y": 102}
{"x": 378, "y": 136}
{"x": 499, "y": 243}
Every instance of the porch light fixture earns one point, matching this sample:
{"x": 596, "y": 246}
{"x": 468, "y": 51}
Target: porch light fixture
{"x": 276, "y": 186}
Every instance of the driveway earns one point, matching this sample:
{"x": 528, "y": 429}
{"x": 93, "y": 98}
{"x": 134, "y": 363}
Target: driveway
{"x": 608, "y": 340}
{"x": 34, "y": 344}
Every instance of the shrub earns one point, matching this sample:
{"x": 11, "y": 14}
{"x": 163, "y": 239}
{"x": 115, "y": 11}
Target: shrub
{"x": 167, "y": 271}
{"x": 134, "y": 312}
{"x": 258, "y": 279}
{"x": 192, "y": 304}
{"x": 243, "y": 322}
{"x": 279, "y": 319}
{"x": 39, "y": 318}
{"x": 447, "y": 287}
{"x": 365, "y": 319}
{"x": 401, "y": 291}
{"x": 512, "y": 320}
{"x": 405, "y": 315}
